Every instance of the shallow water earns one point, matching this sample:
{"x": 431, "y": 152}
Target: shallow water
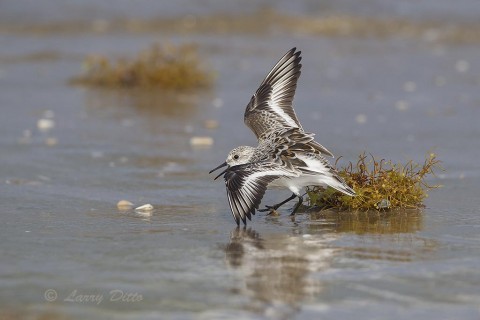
{"x": 63, "y": 238}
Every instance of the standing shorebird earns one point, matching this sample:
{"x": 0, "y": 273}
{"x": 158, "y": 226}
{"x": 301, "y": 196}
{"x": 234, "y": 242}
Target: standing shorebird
{"x": 286, "y": 155}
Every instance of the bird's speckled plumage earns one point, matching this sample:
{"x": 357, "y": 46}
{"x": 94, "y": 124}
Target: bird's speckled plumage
{"x": 286, "y": 156}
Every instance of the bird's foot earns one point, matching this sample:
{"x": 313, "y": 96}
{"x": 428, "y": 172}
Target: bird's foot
{"x": 273, "y": 213}
{"x": 272, "y": 210}
{"x": 268, "y": 208}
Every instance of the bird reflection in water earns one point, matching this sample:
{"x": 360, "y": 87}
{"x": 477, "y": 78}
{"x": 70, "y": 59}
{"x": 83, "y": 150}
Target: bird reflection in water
{"x": 239, "y": 238}
{"x": 282, "y": 271}
{"x": 278, "y": 269}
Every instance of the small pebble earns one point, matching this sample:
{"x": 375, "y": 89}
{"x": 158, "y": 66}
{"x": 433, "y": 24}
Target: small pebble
{"x": 145, "y": 207}
{"x": 462, "y": 66}
{"x": 210, "y": 124}
{"x": 124, "y": 205}
{"x": 361, "y": 118}
{"x": 217, "y": 102}
{"x": 384, "y": 204}
{"x": 51, "y": 142}
{"x": 402, "y": 105}
{"x": 45, "y": 125}
{"x": 201, "y": 141}
{"x": 145, "y": 210}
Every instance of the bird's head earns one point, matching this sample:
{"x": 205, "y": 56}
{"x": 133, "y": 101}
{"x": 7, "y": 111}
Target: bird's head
{"x": 239, "y": 155}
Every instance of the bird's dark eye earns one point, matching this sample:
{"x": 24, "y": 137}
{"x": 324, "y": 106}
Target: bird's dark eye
{"x": 235, "y": 157}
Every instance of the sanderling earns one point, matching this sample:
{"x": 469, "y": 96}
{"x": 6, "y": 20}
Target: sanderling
{"x": 286, "y": 155}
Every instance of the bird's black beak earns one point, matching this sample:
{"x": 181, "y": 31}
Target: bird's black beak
{"x": 220, "y": 166}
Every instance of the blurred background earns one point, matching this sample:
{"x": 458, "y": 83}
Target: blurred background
{"x": 396, "y": 79}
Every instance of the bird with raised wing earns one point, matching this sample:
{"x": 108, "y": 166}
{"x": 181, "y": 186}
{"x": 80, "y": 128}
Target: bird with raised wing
{"x": 286, "y": 155}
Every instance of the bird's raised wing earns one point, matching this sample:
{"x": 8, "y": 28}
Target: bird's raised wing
{"x": 246, "y": 185}
{"x": 270, "y": 109}
{"x": 271, "y": 105}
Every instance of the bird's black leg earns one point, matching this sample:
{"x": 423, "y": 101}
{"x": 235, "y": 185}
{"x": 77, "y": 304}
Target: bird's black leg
{"x": 299, "y": 203}
{"x": 278, "y": 205}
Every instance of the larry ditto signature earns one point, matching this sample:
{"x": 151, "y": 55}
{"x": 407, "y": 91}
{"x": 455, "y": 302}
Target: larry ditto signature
{"x": 115, "y": 295}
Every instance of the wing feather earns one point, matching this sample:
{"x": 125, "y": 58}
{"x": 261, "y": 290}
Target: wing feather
{"x": 246, "y": 186}
{"x": 270, "y": 108}
{"x": 272, "y": 102}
